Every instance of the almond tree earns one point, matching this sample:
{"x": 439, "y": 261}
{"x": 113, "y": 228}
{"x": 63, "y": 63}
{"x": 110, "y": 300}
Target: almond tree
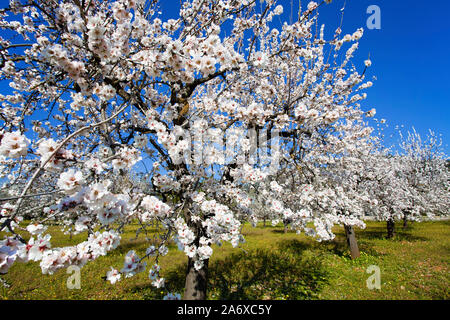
{"x": 410, "y": 183}
{"x": 102, "y": 91}
{"x": 424, "y": 168}
{"x": 320, "y": 183}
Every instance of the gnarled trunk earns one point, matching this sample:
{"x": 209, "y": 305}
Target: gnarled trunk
{"x": 196, "y": 281}
{"x": 351, "y": 241}
{"x": 390, "y": 228}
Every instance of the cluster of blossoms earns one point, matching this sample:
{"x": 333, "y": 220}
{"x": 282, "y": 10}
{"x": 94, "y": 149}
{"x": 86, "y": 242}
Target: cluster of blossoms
{"x": 185, "y": 237}
{"x": 51, "y": 154}
{"x": 51, "y": 260}
{"x": 220, "y": 223}
{"x": 11, "y": 250}
{"x": 13, "y": 144}
{"x": 95, "y": 200}
{"x": 70, "y": 181}
{"x": 132, "y": 264}
{"x": 155, "y": 207}
{"x": 248, "y": 174}
{"x": 127, "y": 157}
{"x": 220, "y": 226}
{"x": 98, "y": 244}
{"x": 7, "y": 215}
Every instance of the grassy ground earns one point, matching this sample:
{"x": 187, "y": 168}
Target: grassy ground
{"x": 270, "y": 265}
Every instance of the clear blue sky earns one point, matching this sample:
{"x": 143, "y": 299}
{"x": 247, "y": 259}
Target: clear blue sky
{"x": 410, "y": 56}
{"x": 411, "y": 60}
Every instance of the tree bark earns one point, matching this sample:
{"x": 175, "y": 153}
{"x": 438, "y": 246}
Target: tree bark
{"x": 405, "y": 222}
{"x": 351, "y": 241}
{"x": 390, "y": 228}
{"x": 196, "y": 281}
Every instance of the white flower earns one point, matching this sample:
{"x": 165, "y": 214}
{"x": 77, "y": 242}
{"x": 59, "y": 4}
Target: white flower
{"x": 190, "y": 251}
{"x": 36, "y": 229}
{"x": 204, "y": 252}
{"x": 151, "y": 251}
{"x": 7, "y": 258}
{"x": 140, "y": 141}
{"x": 198, "y": 264}
{"x": 96, "y": 165}
{"x": 371, "y": 113}
{"x": 278, "y": 10}
{"x": 113, "y": 275}
{"x": 312, "y": 5}
{"x": 82, "y": 223}
{"x": 163, "y": 250}
{"x": 95, "y": 192}
{"x": 274, "y": 186}
{"x": 154, "y": 272}
{"x": 127, "y": 158}
{"x": 46, "y": 148}
{"x": 358, "y": 35}
{"x": 260, "y": 59}
{"x": 331, "y": 116}
{"x": 38, "y": 247}
{"x": 300, "y": 110}
{"x": 14, "y": 145}
{"x": 70, "y": 181}
{"x": 132, "y": 265}
{"x": 155, "y": 206}
{"x": 104, "y": 152}
{"x": 158, "y": 283}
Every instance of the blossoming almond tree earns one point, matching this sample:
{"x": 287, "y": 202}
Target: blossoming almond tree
{"x": 320, "y": 182}
{"x": 425, "y": 169}
{"x": 409, "y": 183}
{"x": 104, "y": 90}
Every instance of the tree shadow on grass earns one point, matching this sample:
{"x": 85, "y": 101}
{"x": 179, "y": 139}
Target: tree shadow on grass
{"x": 282, "y": 231}
{"x": 446, "y": 222}
{"x": 378, "y": 233}
{"x": 282, "y": 272}
{"x": 279, "y": 273}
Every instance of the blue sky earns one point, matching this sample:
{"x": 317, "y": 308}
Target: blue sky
{"x": 411, "y": 60}
{"x": 410, "y": 56}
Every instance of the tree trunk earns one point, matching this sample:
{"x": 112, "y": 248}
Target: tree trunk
{"x": 390, "y": 228}
{"x": 405, "y": 222}
{"x": 196, "y": 281}
{"x": 351, "y": 241}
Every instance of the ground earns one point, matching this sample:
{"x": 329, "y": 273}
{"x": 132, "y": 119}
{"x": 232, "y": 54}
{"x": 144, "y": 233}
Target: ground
{"x": 270, "y": 265}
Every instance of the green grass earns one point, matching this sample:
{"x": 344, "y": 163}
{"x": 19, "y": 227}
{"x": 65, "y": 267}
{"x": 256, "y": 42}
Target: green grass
{"x": 270, "y": 265}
